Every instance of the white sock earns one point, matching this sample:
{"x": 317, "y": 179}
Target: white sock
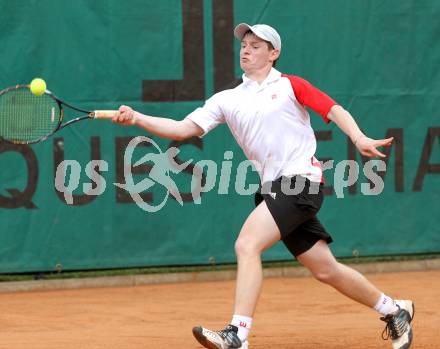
{"x": 385, "y": 305}
{"x": 244, "y": 324}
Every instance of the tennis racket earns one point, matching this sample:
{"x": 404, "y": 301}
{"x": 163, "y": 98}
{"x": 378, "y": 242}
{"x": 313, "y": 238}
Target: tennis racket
{"x": 26, "y": 118}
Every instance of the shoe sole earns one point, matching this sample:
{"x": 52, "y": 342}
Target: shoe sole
{"x": 410, "y": 334}
{"x": 413, "y": 311}
{"x": 198, "y": 334}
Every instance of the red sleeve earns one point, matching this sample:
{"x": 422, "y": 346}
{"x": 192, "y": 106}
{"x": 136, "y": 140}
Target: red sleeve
{"x": 311, "y": 97}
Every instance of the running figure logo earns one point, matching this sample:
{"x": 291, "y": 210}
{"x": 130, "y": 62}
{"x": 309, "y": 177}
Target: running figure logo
{"x": 164, "y": 163}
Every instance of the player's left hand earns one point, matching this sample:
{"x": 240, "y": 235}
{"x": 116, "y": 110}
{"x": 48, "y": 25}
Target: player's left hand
{"x": 368, "y": 147}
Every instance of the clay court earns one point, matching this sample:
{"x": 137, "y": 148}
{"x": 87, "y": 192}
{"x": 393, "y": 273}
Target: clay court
{"x": 293, "y": 313}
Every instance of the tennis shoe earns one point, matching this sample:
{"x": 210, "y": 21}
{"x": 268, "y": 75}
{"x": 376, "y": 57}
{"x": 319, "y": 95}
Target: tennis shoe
{"x": 223, "y": 339}
{"x": 398, "y": 325}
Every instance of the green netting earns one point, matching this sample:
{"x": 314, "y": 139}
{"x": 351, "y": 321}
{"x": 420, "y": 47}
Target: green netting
{"x": 25, "y": 117}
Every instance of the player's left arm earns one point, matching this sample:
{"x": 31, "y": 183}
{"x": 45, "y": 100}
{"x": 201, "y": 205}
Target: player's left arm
{"x": 366, "y": 146}
{"x": 313, "y": 98}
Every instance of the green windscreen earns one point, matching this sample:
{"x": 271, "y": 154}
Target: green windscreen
{"x": 72, "y": 202}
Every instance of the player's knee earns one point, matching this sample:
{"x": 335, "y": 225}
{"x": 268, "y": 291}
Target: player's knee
{"x": 245, "y": 246}
{"x": 326, "y": 274}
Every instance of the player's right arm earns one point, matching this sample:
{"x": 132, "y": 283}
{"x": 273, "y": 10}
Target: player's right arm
{"x": 161, "y": 127}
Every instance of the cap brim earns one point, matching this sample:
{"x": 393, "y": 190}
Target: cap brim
{"x": 241, "y": 29}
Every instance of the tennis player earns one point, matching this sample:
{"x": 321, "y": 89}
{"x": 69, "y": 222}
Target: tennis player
{"x": 267, "y": 115}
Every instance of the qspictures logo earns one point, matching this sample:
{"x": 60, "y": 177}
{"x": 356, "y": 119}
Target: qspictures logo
{"x": 411, "y": 167}
{"x": 164, "y": 164}
{"x": 165, "y": 168}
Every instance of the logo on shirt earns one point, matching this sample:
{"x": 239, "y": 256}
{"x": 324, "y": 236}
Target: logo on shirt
{"x": 274, "y": 96}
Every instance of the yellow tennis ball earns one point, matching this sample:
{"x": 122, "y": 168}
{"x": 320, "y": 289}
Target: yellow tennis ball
{"x": 38, "y": 86}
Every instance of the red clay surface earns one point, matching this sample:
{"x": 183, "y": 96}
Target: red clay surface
{"x": 293, "y": 313}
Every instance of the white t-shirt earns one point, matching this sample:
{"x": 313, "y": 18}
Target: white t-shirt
{"x": 270, "y": 123}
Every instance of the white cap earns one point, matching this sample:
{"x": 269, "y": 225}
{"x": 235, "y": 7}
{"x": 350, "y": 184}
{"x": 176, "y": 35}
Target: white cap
{"x": 263, "y": 31}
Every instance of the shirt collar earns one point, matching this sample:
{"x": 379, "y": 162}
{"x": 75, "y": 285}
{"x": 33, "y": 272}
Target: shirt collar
{"x": 273, "y": 75}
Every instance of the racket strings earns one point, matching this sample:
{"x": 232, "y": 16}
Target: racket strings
{"x": 25, "y": 117}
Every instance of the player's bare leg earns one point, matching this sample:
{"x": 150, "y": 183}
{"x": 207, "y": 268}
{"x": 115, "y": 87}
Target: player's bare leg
{"x": 320, "y": 261}
{"x": 258, "y": 233}
{"x": 324, "y": 267}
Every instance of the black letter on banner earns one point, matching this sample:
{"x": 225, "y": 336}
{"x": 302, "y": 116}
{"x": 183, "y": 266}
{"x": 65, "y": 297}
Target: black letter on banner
{"x": 325, "y": 136}
{"x": 58, "y": 156}
{"x": 191, "y": 169}
{"x": 397, "y": 133}
{"x": 351, "y": 155}
{"x": 192, "y": 87}
{"x": 122, "y": 196}
{"x": 424, "y": 165}
{"x": 21, "y": 198}
{"x": 223, "y": 43}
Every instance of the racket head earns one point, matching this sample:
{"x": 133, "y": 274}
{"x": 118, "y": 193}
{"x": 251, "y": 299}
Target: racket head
{"x": 26, "y": 118}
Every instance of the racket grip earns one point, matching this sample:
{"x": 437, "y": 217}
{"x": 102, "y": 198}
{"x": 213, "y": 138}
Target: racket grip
{"x": 105, "y": 114}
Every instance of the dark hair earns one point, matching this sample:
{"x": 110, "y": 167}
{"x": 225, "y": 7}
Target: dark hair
{"x": 269, "y": 45}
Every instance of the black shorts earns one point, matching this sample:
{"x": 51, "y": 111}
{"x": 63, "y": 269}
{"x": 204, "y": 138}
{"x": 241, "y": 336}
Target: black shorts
{"x": 294, "y": 211}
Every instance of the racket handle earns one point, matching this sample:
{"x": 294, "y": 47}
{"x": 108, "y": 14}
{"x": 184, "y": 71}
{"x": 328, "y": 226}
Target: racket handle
{"x": 105, "y": 114}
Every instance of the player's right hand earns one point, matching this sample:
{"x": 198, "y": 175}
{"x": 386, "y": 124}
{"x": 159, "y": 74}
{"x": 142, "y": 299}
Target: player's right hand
{"x": 126, "y": 116}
